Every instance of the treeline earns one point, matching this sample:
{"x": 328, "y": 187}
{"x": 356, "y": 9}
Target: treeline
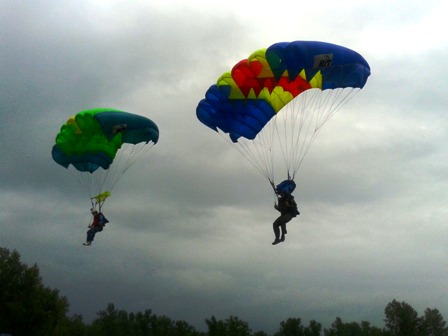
{"x": 29, "y": 308}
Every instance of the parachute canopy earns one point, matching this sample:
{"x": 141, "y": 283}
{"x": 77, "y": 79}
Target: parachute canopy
{"x": 245, "y": 99}
{"x": 91, "y": 139}
{"x": 302, "y": 83}
{"x": 99, "y": 145}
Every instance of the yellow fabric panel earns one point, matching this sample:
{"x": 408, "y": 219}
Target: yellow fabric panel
{"x": 226, "y": 79}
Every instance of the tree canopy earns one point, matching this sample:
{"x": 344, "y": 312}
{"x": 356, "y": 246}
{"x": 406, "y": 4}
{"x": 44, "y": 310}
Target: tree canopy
{"x": 27, "y": 307}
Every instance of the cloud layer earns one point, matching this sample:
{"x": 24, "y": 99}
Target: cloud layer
{"x": 190, "y": 227}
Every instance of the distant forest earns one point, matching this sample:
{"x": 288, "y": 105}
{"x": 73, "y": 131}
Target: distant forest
{"x": 28, "y": 308}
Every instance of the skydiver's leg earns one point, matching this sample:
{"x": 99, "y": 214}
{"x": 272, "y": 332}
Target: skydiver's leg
{"x": 285, "y": 218}
{"x": 282, "y": 238}
{"x": 90, "y": 235}
{"x": 276, "y": 228}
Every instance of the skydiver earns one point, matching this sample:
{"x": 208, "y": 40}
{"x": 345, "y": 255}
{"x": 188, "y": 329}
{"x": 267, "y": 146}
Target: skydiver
{"x": 287, "y": 207}
{"x": 97, "y": 225}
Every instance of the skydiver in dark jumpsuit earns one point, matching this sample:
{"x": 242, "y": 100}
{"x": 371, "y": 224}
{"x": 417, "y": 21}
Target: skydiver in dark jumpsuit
{"x": 287, "y": 207}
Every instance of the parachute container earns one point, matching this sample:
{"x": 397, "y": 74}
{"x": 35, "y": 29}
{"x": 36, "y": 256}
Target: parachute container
{"x": 287, "y": 186}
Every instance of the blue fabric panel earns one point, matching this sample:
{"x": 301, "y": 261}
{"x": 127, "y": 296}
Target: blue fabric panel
{"x": 137, "y": 128}
{"x": 238, "y": 118}
{"x": 85, "y": 163}
{"x": 345, "y": 67}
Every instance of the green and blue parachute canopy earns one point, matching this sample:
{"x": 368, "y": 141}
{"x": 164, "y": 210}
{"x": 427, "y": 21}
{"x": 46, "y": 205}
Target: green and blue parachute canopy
{"x": 97, "y": 146}
{"x": 91, "y": 139}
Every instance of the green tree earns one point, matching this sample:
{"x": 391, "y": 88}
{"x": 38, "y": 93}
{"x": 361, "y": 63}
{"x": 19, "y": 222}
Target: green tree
{"x": 259, "y": 333}
{"x": 369, "y": 330}
{"x": 142, "y": 323}
{"x": 294, "y": 327}
{"x": 215, "y": 327}
{"x": 291, "y": 327}
{"x": 314, "y": 329}
{"x": 112, "y": 322}
{"x": 339, "y": 328}
{"x": 232, "y": 326}
{"x": 432, "y": 324}
{"x": 401, "y": 319}
{"x": 162, "y": 325}
{"x": 73, "y": 326}
{"x": 115, "y": 322}
{"x": 27, "y": 307}
{"x": 237, "y": 327}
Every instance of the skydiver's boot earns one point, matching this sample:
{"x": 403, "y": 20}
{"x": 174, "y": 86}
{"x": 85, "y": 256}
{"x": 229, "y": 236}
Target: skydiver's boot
{"x": 282, "y": 239}
{"x": 88, "y": 243}
{"x": 276, "y": 241}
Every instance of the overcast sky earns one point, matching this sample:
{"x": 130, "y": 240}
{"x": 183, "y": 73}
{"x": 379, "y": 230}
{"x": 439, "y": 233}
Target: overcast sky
{"x": 191, "y": 223}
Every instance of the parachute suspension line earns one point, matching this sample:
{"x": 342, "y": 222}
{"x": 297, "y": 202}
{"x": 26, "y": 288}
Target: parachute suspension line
{"x": 117, "y": 168}
{"x": 294, "y": 128}
{"x": 313, "y": 111}
{"x": 286, "y": 121}
{"x": 281, "y": 132}
{"x": 82, "y": 178}
{"x": 103, "y": 180}
{"x": 304, "y": 118}
{"x": 135, "y": 153}
{"x": 307, "y": 107}
{"x": 335, "y": 99}
{"x": 275, "y": 192}
{"x": 99, "y": 203}
{"x": 125, "y": 158}
{"x": 307, "y": 130}
{"x": 289, "y": 135}
{"x": 89, "y": 183}
{"x": 265, "y": 152}
{"x": 258, "y": 152}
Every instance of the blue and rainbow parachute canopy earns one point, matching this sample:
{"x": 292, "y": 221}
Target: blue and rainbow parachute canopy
{"x": 243, "y": 100}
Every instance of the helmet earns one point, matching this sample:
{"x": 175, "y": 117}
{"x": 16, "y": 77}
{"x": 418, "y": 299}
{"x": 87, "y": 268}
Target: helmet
{"x": 93, "y": 211}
